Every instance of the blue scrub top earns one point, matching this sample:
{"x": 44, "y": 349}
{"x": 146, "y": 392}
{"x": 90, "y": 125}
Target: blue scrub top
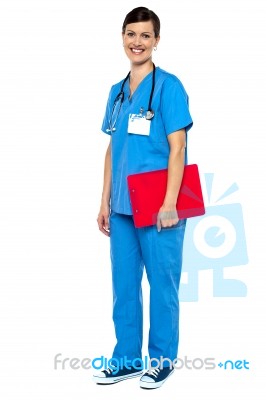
{"x": 131, "y": 153}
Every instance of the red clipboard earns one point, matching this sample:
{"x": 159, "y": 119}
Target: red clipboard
{"x": 147, "y": 191}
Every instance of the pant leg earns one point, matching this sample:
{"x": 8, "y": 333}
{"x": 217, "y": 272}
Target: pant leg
{"x": 162, "y": 255}
{"x": 127, "y": 271}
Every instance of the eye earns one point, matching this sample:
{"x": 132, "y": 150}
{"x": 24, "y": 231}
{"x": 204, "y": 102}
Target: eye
{"x": 130, "y": 34}
{"x": 145, "y": 36}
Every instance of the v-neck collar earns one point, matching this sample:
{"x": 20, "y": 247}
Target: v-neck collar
{"x": 127, "y": 87}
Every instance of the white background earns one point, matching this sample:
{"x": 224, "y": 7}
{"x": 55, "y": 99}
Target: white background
{"x": 58, "y": 60}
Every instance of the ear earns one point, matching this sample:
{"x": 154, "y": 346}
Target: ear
{"x": 157, "y": 40}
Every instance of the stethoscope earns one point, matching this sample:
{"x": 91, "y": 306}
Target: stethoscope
{"x": 120, "y": 98}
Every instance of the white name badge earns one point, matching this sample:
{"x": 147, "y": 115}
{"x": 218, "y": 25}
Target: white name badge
{"x": 138, "y": 125}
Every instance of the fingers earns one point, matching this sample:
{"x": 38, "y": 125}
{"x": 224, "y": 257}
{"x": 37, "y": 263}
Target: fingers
{"x": 158, "y": 223}
{"x": 106, "y": 222}
{"x": 163, "y": 221}
{"x": 103, "y": 224}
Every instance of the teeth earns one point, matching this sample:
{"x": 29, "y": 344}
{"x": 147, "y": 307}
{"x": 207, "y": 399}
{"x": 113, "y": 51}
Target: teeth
{"x": 137, "y": 51}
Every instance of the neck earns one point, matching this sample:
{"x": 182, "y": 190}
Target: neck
{"x": 139, "y": 71}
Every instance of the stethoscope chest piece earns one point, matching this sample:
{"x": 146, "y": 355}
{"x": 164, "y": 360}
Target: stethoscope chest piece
{"x": 149, "y": 114}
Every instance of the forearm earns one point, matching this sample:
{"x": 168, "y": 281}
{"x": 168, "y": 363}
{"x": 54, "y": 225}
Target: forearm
{"x": 106, "y": 192}
{"x": 175, "y": 175}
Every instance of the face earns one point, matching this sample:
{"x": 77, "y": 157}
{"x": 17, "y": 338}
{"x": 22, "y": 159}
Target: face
{"x": 139, "y": 41}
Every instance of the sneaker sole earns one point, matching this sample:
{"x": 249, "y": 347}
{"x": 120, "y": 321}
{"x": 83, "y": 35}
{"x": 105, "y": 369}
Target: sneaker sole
{"x": 154, "y": 385}
{"x": 109, "y": 381}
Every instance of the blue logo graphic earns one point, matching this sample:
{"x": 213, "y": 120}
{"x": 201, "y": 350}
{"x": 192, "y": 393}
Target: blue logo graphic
{"x": 212, "y": 242}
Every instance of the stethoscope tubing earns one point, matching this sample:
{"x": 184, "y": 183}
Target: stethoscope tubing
{"x": 121, "y": 94}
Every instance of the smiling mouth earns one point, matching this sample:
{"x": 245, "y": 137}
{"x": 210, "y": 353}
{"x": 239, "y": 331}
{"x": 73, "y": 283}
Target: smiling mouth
{"x": 137, "y": 51}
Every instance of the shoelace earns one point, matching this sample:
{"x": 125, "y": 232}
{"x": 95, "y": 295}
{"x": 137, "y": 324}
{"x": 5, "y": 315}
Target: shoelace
{"x": 109, "y": 370}
{"x": 154, "y": 372}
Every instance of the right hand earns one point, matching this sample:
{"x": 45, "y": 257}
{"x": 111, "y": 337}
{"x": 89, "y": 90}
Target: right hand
{"x": 103, "y": 219}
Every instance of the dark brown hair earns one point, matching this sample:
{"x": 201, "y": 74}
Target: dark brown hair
{"x": 142, "y": 14}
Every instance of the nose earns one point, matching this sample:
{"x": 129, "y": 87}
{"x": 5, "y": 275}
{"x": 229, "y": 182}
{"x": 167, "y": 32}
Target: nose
{"x": 137, "y": 40}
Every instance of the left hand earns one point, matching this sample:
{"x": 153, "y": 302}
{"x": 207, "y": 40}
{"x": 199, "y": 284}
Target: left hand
{"x": 167, "y": 217}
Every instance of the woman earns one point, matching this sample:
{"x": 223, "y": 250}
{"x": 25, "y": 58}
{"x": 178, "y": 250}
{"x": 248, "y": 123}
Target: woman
{"x": 157, "y": 143}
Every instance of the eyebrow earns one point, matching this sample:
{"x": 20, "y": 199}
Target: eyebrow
{"x": 130, "y": 30}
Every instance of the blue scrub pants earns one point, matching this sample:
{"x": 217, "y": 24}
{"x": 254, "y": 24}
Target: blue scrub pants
{"x": 161, "y": 253}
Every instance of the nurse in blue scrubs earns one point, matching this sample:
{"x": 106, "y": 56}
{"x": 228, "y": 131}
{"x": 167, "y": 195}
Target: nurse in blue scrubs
{"x": 147, "y": 118}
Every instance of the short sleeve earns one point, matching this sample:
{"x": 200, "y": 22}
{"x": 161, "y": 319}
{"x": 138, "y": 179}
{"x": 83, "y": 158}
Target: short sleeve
{"x": 105, "y": 124}
{"x": 175, "y": 106}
